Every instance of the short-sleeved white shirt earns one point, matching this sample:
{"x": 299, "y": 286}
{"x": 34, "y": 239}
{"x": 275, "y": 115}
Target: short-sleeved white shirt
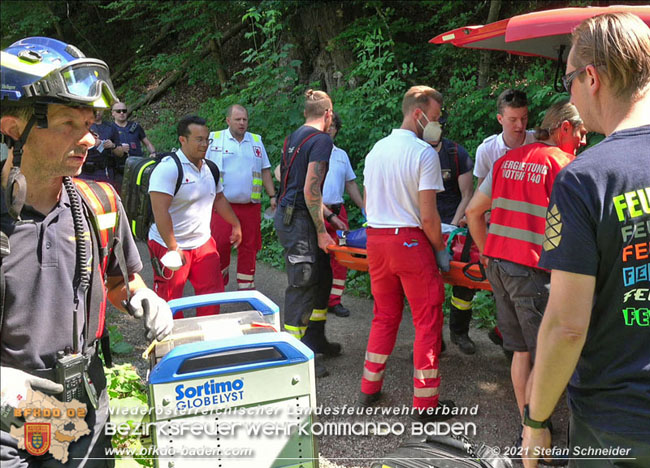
{"x": 397, "y": 168}
{"x": 191, "y": 207}
{"x": 237, "y": 161}
{"x": 492, "y": 148}
{"x": 339, "y": 172}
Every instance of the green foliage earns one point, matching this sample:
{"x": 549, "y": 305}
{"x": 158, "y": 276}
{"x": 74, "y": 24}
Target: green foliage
{"x": 127, "y": 395}
{"x": 118, "y": 345}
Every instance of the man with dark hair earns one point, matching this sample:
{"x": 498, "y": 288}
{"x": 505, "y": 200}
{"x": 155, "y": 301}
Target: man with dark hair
{"x": 340, "y": 176}
{"x": 594, "y": 334}
{"x": 405, "y": 249}
{"x": 300, "y": 224}
{"x": 180, "y": 243}
{"x": 245, "y": 171}
{"x": 512, "y": 114}
{"x": 55, "y": 272}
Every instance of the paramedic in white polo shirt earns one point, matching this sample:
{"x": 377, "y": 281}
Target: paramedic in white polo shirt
{"x": 245, "y": 169}
{"x": 183, "y": 219}
{"x": 405, "y": 248}
{"x": 512, "y": 114}
{"x": 340, "y": 177}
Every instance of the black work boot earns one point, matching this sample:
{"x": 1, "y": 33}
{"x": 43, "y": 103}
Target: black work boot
{"x": 315, "y": 339}
{"x": 319, "y": 368}
{"x": 339, "y": 310}
{"x": 463, "y": 341}
{"x": 442, "y": 412}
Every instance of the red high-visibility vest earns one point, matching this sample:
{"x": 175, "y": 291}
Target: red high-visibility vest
{"x": 521, "y": 188}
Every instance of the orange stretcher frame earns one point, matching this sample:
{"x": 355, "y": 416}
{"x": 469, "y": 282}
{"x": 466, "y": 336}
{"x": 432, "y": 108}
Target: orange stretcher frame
{"x": 357, "y": 259}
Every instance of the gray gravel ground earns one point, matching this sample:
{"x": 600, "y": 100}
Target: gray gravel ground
{"x": 481, "y": 380}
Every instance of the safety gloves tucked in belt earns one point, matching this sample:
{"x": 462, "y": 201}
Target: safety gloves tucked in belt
{"x": 443, "y": 259}
{"x": 15, "y": 384}
{"x": 157, "y": 316}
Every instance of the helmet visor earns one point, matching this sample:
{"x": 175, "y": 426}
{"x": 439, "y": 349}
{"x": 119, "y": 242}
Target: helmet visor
{"x": 83, "y": 81}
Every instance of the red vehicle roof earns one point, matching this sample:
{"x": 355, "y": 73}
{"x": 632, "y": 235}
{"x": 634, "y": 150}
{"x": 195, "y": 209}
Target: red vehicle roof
{"x": 537, "y": 34}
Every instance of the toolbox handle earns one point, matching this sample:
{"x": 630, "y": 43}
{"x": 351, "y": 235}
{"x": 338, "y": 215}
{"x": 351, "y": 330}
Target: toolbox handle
{"x": 256, "y": 299}
{"x": 265, "y": 349}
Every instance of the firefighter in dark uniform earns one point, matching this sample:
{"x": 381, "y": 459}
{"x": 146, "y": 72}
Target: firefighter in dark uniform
{"x": 53, "y": 305}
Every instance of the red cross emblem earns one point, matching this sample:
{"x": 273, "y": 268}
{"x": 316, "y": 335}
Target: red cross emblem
{"x": 258, "y": 151}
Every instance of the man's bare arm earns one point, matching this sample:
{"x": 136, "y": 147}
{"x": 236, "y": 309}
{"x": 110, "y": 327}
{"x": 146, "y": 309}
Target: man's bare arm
{"x": 560, "y": 340}
{"x": 466, "y": 186}
{"x": 355, "y": 195}
{"x": 160, "y": 203}
{"x": 316, "y": 171}
{"x": 431, "y": 218}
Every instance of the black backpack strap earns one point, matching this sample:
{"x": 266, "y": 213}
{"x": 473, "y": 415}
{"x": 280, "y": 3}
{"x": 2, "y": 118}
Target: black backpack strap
{"x": 214, "y": 169}
{"x": 179, "y": 167}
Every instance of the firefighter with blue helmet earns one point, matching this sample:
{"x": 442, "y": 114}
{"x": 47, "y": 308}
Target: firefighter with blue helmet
{"x": 66, "y": 248}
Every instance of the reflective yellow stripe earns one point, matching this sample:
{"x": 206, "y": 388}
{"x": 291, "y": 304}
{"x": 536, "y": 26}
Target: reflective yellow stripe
{"x": 256, "y": 138}
{"x": 318, "y": 315}
{"x": 340, "y": 282}
{"x": 425, "y": 373}
{"x": 256, "y": 196}
{"x": 217, "y": 135}
{"x": 138, "y": 180}
{"x": 242, "y": 276}
{"x": 336, "y": 292}
{"x": 520, "y": 207}
{"x": 425, "y": 392}
{"x": 376, "y": 357}
{"x": 516, "y": 233}
{"x": 296, "y": 332}
{"x": 461, "y": 304}
{"x": 245, "y": 285}
{"x": 39, "y": 69}
{"x": 133, "y": 227}
{"x": 257, "y": 181}
{"x": 373, "y": 376}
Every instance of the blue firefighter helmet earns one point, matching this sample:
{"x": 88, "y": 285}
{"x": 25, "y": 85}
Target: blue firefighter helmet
{"x": 40, "y": 69}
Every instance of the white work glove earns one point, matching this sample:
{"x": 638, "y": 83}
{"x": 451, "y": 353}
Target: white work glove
{"x": 157, "y": 316}
{"x": 16, "y": 383}
{"x": 443, "y": 259}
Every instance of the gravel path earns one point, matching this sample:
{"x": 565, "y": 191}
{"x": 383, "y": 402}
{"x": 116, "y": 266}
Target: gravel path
{"x": 480, "y": 382}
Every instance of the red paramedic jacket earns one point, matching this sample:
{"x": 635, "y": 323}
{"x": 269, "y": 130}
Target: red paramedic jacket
{"x": 522, "y": 181}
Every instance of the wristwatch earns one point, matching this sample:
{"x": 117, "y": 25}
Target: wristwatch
{"x": 532, "y": 423}
{"x": 330, "y": 216}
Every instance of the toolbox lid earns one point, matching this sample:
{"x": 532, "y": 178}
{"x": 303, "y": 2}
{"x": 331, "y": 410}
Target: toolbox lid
{"x": 227, "y": 356}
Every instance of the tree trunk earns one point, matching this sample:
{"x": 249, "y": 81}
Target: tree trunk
{"x": 180, "y": 72}
{"x": 484, "y": 66}
{"x": 129, "y": 60}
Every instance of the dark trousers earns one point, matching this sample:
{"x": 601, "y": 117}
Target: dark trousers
{"x": 89, "y": 451}
{"x": 308, "y": 268}
{"x": 582, "y": 437}
{"x": 459, "y": 318}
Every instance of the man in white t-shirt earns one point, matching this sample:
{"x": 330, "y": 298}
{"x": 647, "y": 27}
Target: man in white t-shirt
{"x": 512, "y": 114}
{"x": 183, "y": 218}
{"x": 401, "y": 178}
{"x": 245, "y": 169}
{"x": 340, "y": 177}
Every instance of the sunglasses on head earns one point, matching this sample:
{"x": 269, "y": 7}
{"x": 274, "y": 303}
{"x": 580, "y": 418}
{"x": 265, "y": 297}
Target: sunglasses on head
{"x": 120, "y": 111}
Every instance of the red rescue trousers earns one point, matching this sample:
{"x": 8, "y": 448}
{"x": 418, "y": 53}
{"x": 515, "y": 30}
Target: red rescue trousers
{"x": 250, "y": 218}
{"x": 339, "y": 272}
{"x": 199, "y": 268}
{"x": 401, "y": 262}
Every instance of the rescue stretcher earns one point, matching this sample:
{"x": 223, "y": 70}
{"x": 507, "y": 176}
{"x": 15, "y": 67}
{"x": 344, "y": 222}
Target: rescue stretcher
{"x": 460, "y": 274}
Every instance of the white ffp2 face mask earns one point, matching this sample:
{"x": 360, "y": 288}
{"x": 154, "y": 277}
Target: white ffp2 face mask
{"x": 432, "y": 131}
